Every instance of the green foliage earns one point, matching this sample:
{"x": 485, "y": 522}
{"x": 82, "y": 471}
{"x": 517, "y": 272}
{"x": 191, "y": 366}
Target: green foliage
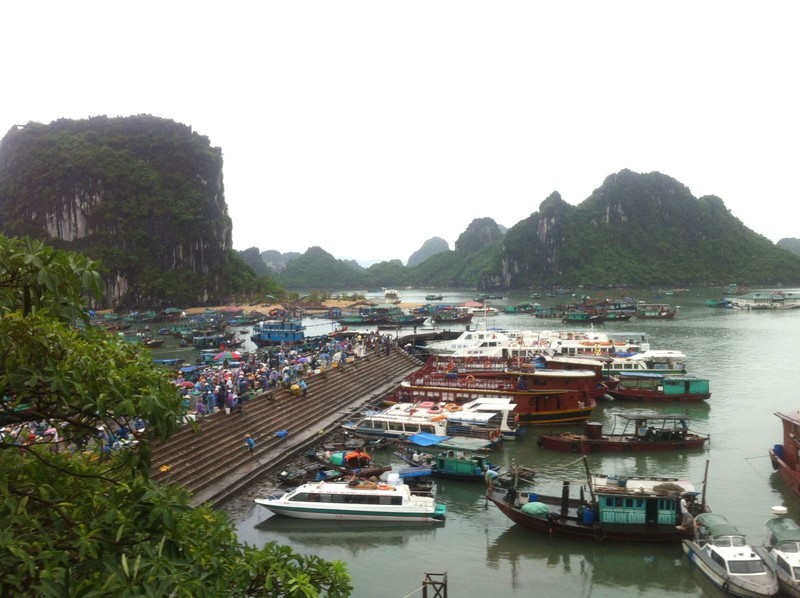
{"x": 78, "y": 518}
{"x": 143, "y": 195}
{"x": 319, "y": 269}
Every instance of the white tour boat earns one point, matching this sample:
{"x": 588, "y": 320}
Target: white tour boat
{"x": 358, "y": 500}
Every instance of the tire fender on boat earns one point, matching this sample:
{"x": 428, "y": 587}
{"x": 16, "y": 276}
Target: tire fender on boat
{"x": 627, "y": 448}
{"x": 470, "y": 379}
{"x": 574, "y": 447}
{"x": 599, "y": 534}
{"x": 595, "y": 447}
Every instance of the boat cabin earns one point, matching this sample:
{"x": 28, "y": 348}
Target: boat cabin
{"x": 667, "y": 385}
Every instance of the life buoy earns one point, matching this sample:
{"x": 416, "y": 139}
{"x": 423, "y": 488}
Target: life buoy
{"x": 450, "y": 407}
{"x": 470, "y": 379}
{"x": 627, "y": 448}
{"x": 487, "y": 364}
{"x": 426, "y": 405}
{"x": 599, "y": 534}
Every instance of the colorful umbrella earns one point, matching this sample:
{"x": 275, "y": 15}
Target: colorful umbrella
{"x": 229, "y": 355}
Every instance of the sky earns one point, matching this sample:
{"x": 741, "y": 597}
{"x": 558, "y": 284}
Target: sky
{"x": 368, "y": 127}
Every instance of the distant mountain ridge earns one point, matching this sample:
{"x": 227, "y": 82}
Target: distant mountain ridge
{"x": 634, "y": 230}
{"x": 145, "y": 196}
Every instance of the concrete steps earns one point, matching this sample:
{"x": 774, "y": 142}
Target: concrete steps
{"x": 214, "y": 463}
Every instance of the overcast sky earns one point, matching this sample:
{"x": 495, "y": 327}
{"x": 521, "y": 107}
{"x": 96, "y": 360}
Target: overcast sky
{"x": 366, "y": 128}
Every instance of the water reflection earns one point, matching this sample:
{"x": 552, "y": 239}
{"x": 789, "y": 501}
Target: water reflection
{"x": 354, "y": 537}
{"x": 650, "y": 569}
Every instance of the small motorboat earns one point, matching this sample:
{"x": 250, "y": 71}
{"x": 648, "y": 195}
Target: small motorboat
{"x": 781, "y": 550}
{"x": 721, "y": 552}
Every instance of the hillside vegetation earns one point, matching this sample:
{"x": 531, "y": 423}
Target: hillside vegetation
{"x": 634, "y": 230}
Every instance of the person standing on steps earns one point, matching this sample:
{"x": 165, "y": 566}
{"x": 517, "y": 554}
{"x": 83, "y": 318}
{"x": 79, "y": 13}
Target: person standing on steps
{"x": 250, "y": 443}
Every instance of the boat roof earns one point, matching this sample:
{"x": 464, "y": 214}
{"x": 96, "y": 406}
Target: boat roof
{"x": 717, "y": 525}
{"x": 783, "y": 529}
{"x": 449, "y": 442}
{"x": 645, "y": 485}
{"x": 791, "y": 417}
{"x": 652, "y": 416}
{"x": 655, "y": 375}
{"x": 477, "y": 417}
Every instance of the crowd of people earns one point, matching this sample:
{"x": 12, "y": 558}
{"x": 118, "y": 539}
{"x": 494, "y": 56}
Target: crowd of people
{"x": 215, "y": 388}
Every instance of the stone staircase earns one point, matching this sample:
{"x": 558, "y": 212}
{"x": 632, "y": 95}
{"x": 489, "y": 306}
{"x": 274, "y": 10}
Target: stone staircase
{"x": 214, "y": 463}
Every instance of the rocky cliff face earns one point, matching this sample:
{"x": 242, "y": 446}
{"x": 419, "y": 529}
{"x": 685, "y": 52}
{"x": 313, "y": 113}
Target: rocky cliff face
{"x": 143, "y": 194}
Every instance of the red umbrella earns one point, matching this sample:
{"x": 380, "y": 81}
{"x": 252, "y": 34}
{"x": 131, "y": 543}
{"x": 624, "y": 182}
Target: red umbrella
{"x": 229, "y": 355}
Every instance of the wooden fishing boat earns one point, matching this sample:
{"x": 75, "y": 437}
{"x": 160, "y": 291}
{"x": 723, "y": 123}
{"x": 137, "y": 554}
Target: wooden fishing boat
{"x": 784, "y": 456}
{"x": 355, "y": 501}
{"x": 721, "y": 553}
{"x": 454, "y": 458}
{"x": 634, "y": 509}
{"x": 636, "y": 433}
{"x": 655, "y": 311}
{"x": 351, "y": 462}
{"x": 649, "y": 386}
{"x": 452, "y": 316}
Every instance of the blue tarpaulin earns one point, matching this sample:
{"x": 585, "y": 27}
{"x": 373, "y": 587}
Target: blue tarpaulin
{"x": 427, "y": 439}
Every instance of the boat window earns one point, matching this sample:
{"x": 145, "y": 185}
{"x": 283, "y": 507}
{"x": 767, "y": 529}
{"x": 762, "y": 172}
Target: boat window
{"x": 739, "y": 541}
{"x": 300, "y": 497}
{"x": 722, "y": 541}
{"x": 748, "y": 566}
{"x": 397, "y": 427}
{"x": 789, "y": 547}
{"x": 795, "y": 573}
{"x": 783, "y": 564}
{"x": 715, "y": 556}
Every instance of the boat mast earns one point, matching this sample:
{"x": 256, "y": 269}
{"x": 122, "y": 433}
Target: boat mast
{"x": 705, "y": 484}
{"x": 589, "y": 480}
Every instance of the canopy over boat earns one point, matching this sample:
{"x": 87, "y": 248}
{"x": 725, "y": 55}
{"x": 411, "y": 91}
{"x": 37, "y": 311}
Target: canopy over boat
{"x": 781, "y": 530}
{"x": 449, "y": 442}
{"x": 716, "y": 525}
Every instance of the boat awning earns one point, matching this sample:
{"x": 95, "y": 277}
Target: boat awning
{"x": 716, "y": 525}
{"x": 463, "y": 443}
{"x": 783, "y": 529}
{"x": 426, "y": 439}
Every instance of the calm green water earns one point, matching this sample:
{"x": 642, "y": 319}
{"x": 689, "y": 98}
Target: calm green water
{"x": 751, "y": 359}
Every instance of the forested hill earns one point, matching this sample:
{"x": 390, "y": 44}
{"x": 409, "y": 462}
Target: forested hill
{"x": 143, "y": 194}
{"x": 635, "y": 229}
{"x": 641, "y": 229}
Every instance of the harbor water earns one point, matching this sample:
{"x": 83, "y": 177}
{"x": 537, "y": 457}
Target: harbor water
{"x": 751, "y": 359}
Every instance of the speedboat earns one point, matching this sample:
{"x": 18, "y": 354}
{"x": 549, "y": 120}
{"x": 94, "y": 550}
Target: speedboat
{"x": 781, "y": 550}
{"x": 721, "y": 552}
{"x": 357, "y": 500}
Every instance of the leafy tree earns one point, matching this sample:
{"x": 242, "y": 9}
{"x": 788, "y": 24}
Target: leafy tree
{"x": 80, "y": 518}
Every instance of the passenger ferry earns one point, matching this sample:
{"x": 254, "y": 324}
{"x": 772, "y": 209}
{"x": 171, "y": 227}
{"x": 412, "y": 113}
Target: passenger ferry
{"x": 491, "y": 419}
{"x": 356, "y": 501}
